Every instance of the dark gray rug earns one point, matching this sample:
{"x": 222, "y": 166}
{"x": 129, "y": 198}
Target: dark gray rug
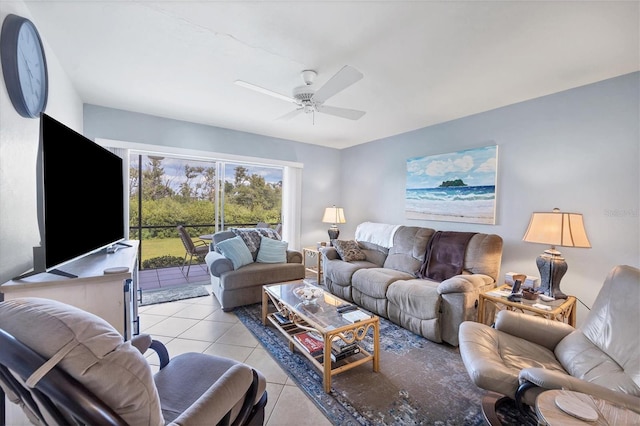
{"x": 171, "y": 294}
{"x": 419, "y": 383}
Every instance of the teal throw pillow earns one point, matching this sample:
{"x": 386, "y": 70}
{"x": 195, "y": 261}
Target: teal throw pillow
{"x": 251, "y": 237}
{"x": 272, "y": 251}
{"x": 235, "y": 250}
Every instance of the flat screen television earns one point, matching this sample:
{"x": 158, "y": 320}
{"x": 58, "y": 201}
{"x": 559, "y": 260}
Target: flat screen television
{"x": 80, "y": 197}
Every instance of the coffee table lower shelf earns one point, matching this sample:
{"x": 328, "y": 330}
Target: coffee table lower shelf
{"x": 355, "y": 332}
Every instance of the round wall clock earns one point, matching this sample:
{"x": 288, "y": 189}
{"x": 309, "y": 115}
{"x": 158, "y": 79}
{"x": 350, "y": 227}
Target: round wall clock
{"x": 24, "y": 66}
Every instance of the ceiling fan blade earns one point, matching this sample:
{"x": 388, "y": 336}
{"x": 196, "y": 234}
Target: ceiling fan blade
{"x": 290, "y": 115}
{"x": 340, "y": 81}
{"x": 264, "y": 91}
{"x": 351, "y": 114}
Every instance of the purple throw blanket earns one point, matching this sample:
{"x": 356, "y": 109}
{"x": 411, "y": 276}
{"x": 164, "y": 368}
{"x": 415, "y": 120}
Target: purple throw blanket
{"x": 444, "y": 257}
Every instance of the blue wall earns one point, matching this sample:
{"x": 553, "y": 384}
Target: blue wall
{"x": 578, "y": 150}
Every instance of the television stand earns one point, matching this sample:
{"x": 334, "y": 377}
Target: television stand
{"x": 85, "y": 284}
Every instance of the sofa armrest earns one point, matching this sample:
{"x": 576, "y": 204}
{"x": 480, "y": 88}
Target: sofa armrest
{"x": 464, "y": 283}
{"x": 294, "y": 256}
{"x": 330, "y": 253}
{"x": 551, "y": 379}
{"x": 542, "y": 331}
{"x": 217, "y": 263}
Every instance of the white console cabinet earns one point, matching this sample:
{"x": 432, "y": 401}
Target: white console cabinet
{"x": 112, "y": 296}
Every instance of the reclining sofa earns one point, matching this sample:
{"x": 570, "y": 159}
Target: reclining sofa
{"x": 238, "y": 284}
{"x": 392, "y": 275}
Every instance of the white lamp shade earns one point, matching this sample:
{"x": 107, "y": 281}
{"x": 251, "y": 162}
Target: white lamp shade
{"x": 334, "y": 215}
{"x": 557, "y": 229}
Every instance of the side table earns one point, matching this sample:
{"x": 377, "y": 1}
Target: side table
{"x": 549, "y": 414}
{"x": 561, "y": 310}
{"x": 313, "y": 254}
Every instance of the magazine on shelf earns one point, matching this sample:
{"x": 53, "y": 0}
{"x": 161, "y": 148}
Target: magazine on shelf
{"x": 338, "y": 345}
{"x": 344, "y": 354}
{"x": 341, "y": 349}
{"x": 281, "y": 318}
{"x": 311, "y": 342}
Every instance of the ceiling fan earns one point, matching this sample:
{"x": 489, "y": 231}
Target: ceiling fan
{"x": 310, "y": 100}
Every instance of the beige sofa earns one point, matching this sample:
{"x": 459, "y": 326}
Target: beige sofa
{"x": 243, "y": 286}
{"x": 388, "y": 281}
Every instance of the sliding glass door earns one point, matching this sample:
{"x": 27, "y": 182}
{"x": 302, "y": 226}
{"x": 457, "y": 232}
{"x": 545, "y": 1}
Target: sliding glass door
{"x": 250, "y": 194}
{"x": 204, "y": 196}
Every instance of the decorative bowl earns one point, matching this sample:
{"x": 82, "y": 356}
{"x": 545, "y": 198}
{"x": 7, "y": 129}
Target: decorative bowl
{"x": 529, "y": 294}
{"x": 308, "y": 294}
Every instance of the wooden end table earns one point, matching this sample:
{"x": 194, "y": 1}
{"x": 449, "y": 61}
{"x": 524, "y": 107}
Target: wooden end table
{"x": 313, "y": 253}
{"x": 561, "y": 310}
{"x": 324, "y": 319}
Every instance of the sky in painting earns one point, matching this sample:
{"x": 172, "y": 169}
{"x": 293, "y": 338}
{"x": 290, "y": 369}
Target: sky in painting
{"x": 476, "y": 167}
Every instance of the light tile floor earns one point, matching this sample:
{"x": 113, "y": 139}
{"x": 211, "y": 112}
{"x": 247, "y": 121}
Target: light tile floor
{"x": 199, "y": 325}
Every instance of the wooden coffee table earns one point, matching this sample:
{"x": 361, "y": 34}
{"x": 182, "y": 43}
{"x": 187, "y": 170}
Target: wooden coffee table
{"x": 324, "y": 319}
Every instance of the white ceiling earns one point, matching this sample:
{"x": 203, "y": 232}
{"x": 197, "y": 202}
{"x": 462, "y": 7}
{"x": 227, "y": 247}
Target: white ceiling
{"x": 424, "y": 62}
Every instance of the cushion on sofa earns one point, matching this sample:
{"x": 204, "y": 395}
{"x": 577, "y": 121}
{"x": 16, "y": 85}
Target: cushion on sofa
{"x": 272, "y": 251}
{"x": 418, "y": 298}
{"x": 409, "y": 246}
{"x": 348, "y": 250}
{"x": 235, "y": 250}
{"x": 252, "y": 237}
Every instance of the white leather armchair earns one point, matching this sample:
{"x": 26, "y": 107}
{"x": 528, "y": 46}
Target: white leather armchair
{"x": 526, "y": 355}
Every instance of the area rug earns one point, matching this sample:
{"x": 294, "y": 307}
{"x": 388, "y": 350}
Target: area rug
{"x": 419, "y": 383}
{"x": 171, "y": 294}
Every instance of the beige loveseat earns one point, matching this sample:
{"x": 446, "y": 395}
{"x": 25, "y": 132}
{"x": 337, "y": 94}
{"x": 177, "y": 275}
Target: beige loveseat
{"x": 238, "y": 286}
{"x": 388, "y": 280}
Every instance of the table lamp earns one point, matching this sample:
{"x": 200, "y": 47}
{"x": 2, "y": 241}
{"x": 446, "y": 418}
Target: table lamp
{"x": 557, "y": 229}
{"x": 333, "y": 215}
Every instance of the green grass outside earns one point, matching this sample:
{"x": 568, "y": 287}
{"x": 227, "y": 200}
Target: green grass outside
{"x": 162, "y": 247}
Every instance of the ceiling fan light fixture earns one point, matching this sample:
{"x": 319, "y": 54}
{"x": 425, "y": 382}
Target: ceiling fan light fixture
{"x": 308, "y": 108}
{"x": 308, "y": 76}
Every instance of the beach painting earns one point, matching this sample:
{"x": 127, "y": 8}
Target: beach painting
{"x": 455, "y": 187}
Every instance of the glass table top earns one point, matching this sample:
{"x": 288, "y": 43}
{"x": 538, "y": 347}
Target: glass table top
{"x": 323, "y": 312}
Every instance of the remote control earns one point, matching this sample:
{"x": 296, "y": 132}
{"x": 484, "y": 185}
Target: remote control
{"x": 347, "y": 308}
{"x": 546, "y": 298}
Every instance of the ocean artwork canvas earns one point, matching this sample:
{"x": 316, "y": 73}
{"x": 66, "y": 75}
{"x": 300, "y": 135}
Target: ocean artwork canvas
{"x": 455, "y": 187}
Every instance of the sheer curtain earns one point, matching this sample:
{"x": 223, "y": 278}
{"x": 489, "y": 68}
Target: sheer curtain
{"x": 291, "y": 205}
